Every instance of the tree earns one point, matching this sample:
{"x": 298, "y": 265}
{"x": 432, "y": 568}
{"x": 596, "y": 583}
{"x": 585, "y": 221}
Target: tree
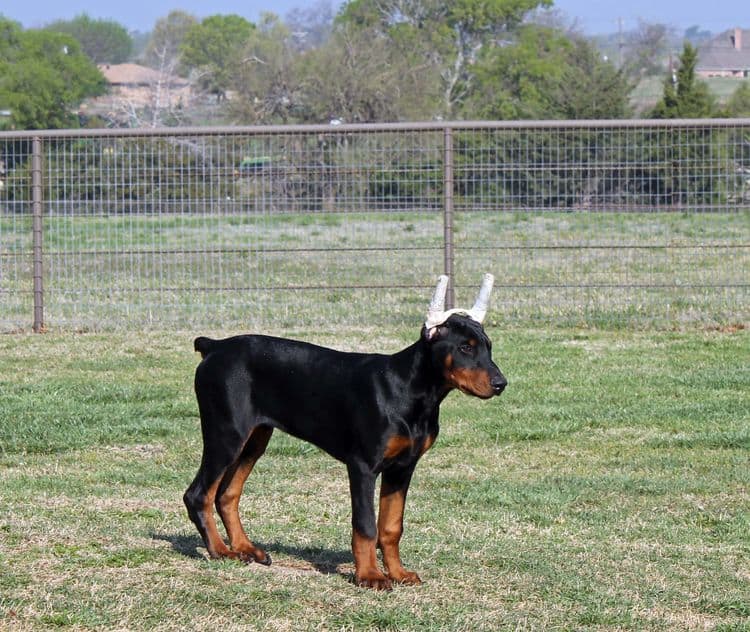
{"x": 684, "y": 95}
{"x": 212, "y": 50}
{"x": 738, "y": 104}
{"x": 544, "y": 73}
{"x": 310, "y": 27}
{"x": 350, "y": 78}
{"x": 515, "y": 81}
{"x": 44, "y": 76}
{"x": 688, "y": 158}
{"x": 647, "y": 49}
{"x": 450, "y": 34}
{"x": 104, "y": 41}
{"x": 162, "y": 53}
{"x": 163, "y": 47}
{"x": 590, "y": 87}
{"x": 267, "y": 85}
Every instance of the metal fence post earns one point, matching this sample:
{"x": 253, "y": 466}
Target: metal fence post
{"x": 448, "y": 214}
{"x": 37, "y": 227}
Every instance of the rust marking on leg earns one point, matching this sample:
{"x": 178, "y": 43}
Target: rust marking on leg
{"x": 366, "y": 573}
{"x": 390, "y": 530}
{"x": 214, "y": 542}
{"x": 228, "y": 507}
{"x": 229, "y": 497}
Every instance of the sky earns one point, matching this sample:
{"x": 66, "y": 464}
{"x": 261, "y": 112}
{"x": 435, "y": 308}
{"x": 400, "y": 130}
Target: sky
{"x": 593, "y": 16}
{"x": 597, "y": 17}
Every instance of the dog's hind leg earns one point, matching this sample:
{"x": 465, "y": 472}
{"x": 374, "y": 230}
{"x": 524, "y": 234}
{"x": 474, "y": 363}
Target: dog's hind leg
{"x": 224, "y": 439}
{"x": 199, "y": 500}
{"x": 230, "y": 490}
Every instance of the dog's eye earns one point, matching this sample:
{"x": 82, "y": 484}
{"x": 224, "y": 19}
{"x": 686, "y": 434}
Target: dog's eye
{"x": 466, "y": 348}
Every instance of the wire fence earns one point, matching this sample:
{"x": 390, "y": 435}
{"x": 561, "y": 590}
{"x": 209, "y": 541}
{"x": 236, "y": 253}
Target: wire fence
{"x": 611, "y": 223}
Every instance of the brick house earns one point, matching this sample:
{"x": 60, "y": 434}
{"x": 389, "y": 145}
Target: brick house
{"x": 135, "y": 90}
{"x": 726, "y": 55}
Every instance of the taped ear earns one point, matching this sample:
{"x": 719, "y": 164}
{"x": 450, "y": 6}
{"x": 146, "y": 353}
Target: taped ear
{"x": 437, "y": 314}
{"x": 433, "y": 333}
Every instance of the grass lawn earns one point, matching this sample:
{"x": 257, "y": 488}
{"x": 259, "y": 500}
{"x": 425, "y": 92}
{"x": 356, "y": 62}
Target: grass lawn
{"x": 646, "y": 269}
{"x": 608, "y": 488}
{"x": 648, "y": 92}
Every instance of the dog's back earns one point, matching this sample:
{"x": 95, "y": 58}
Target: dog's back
{"x": 312, "y": 392}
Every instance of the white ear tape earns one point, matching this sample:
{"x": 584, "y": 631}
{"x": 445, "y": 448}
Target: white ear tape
{"x": 437, "y": 315}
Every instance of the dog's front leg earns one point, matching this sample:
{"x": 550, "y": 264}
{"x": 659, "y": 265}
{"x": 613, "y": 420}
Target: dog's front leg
{"x": 364, "y": 533}
{"x": 393, "y": 489}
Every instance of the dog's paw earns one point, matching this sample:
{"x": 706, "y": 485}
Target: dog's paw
{"x": 245, "y": 558}
{"x": 375, "y": 580}
{"x": 408, "y": 578}
{"x": 265, "y": 560}
{"x": 256, "y": 556}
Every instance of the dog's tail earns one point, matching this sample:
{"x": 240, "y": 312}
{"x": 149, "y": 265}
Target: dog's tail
{"x": 203, "y": 345}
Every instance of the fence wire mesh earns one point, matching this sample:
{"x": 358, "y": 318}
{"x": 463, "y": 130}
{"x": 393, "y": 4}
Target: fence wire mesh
{"x": 611, "y": 223}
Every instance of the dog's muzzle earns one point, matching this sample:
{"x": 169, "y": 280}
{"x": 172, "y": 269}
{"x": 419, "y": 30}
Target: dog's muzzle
{"x": 498, "y": 384}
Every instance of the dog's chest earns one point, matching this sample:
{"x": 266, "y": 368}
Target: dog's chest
{"x": 406, "y": 448}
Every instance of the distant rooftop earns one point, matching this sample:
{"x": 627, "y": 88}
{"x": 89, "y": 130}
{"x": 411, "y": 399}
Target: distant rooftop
{"x": 135, "y": 75}
{"x": 727, "y": 53}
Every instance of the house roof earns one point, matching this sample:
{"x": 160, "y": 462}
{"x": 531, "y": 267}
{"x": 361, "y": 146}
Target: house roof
{"x": 136, "y": 75}
{"x": 720, "y": 52}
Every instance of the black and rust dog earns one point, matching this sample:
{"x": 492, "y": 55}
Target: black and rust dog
{"x": 378, "y": 414}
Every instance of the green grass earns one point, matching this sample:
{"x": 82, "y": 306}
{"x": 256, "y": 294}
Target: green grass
{"x": 606, "y": 489}
{"x": 651, "y": 89}
{"x": 603, "y": 269}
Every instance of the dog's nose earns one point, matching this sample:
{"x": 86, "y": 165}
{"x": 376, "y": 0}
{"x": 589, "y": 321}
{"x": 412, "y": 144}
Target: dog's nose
{"x": 498, "y": 384}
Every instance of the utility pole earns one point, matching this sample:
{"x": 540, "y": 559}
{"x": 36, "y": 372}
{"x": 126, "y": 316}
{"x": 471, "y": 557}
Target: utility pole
{"x": 620, "y": 43}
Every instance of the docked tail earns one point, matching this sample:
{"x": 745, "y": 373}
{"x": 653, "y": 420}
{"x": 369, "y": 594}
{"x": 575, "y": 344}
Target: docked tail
{"x": 203, "y": 345}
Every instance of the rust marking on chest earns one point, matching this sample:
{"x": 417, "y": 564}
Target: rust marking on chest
{"x": 429, "y": 440}
{"x": 396, "y": 445}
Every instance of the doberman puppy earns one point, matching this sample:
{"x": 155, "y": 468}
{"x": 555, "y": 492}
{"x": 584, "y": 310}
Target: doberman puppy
{"x": 377, "y": 414}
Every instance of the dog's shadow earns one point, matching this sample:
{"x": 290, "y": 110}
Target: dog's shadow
{"x": 324, "y": 561}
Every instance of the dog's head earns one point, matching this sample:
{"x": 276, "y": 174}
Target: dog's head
{"x": 460, "y": 347}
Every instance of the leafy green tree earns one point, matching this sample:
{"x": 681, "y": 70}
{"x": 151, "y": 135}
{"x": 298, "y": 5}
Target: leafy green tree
{"x": 544, "y": 73}
{"x": 688, "y": 159}
{"x": 738, "y": 104}
{"x": 515, "y": 81}
{"x": 450, "y": 34}
{"x": 213, "y": 49}
{"x": 590, "y": 87}
{"x": 685, "y": 96}
{"x": 104, "y": 41}
{"x": 44, "y": 76}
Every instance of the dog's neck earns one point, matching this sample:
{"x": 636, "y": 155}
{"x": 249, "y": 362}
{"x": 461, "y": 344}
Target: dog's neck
{"x": 415, "y": 364}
